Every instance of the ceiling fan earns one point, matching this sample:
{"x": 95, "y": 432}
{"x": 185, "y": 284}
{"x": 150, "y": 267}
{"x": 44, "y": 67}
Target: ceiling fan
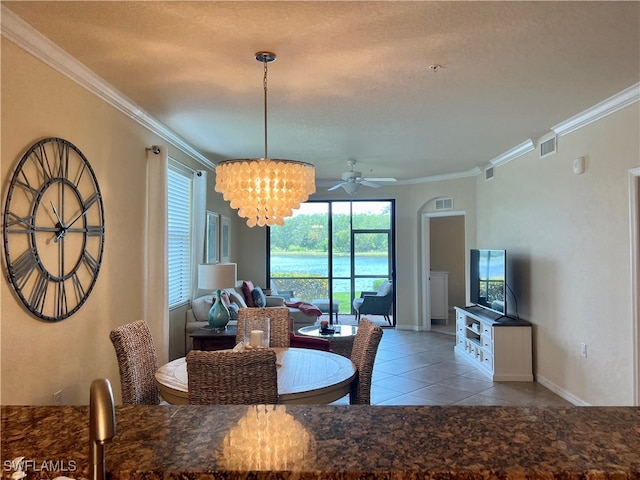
{"x": 352, "y": 181}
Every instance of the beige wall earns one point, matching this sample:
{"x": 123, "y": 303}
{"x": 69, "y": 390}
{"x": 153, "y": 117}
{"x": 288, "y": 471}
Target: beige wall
{"x": 252, "y": 262}
{"x": 567, "y": 240}
{"x": 39, "y": 358}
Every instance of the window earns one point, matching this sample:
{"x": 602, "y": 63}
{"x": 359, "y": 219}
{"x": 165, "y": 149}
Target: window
{"x": 180, "y": 205}
{"x": 333, "y": 250}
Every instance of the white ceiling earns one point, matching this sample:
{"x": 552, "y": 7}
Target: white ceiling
{"x": 353, "y": 79}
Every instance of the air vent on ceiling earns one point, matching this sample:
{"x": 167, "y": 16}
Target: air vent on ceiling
{"x": 547, "y": 145}
{"x": 444, "y": 203}
{"x": 488, "y": 173}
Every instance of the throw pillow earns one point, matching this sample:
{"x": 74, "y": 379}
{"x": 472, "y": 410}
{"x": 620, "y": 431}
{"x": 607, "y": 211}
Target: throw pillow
{"x": 259, "y": 299}
{"x": 201, "y": 307}
{"x": 233, "y": 312}
{"x": 224, "y": 296}
{"x": 247, "y": 288}
{"x": 385, "y": 289}
{"x": 236, "y": 298}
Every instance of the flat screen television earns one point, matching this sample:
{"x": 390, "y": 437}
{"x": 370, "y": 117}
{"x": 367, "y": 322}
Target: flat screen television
{"x": 488, "y": 279}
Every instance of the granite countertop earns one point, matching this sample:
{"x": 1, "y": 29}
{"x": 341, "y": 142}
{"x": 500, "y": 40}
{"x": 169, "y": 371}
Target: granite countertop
{"x": 333, "y": 442}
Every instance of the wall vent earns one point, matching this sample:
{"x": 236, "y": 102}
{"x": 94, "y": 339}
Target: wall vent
{"x": 444, "y": 203}
{"x": 547, "y": 145}
{"x": 488, "y": 173}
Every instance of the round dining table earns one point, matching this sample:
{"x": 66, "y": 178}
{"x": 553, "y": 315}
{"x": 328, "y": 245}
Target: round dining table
{"x": 305, "y": 376}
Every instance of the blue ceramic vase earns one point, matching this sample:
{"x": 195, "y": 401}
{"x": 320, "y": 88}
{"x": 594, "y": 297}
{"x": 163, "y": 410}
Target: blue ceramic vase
{"x": 219, "y": 314}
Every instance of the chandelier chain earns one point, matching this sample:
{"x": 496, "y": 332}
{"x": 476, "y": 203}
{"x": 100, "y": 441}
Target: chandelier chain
{"x": 265, "y": 106}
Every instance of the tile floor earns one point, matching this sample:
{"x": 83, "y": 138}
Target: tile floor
{"x": 420, "y": 368}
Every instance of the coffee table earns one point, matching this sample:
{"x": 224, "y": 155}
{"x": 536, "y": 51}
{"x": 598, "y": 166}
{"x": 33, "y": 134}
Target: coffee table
{"x": 341, "y": 340}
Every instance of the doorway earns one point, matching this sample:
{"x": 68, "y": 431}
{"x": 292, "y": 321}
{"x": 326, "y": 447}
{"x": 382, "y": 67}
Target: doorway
{"x": 444, "y": 261}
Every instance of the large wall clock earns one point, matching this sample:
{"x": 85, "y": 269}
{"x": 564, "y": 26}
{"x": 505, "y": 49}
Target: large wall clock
{"x": 53, "y": 229}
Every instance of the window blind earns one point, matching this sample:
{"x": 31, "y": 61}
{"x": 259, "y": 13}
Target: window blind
{"x": 180, "y": 201}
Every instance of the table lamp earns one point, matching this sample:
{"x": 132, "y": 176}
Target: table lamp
{"x": 216, "y": 276}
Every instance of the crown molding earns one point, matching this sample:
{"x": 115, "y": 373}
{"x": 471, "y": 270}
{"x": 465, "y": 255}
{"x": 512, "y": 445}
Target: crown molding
{"x": 601, "y": 110}
{"x": 16, "y": 30}
{"x": 515, "y": 152}
{"x": 475, "y": 171}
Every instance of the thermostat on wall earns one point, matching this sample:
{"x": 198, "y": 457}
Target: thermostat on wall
{"x": 578, "y": 165}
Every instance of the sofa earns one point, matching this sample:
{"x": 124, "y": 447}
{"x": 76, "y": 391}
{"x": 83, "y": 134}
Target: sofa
{"x": 196, "y": 316}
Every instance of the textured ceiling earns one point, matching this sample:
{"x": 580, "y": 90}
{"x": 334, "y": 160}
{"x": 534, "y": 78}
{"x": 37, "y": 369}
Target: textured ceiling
{"x": 352, "y": 79}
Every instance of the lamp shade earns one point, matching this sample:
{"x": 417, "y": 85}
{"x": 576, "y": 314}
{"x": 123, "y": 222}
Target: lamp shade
{"x": 214, "y": 276}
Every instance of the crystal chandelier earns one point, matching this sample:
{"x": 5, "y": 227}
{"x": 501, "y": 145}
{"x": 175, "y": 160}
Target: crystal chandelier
{"x": 265, "y": 190}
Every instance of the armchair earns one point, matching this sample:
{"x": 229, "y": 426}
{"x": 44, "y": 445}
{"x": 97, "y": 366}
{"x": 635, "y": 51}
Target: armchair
{"x": 375, "y": 303}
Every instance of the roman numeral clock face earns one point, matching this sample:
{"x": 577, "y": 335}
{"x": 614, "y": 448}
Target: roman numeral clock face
{"x": 53, "y": 229}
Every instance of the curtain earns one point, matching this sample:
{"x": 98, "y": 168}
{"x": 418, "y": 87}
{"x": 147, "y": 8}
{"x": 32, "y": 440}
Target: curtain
{"x": 156, "y": 308}
{"x": 199, "y": 227}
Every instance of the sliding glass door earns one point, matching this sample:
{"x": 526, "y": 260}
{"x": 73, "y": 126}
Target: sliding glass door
{"x": 371, "y": 260}
{"x": 330, "y": 252}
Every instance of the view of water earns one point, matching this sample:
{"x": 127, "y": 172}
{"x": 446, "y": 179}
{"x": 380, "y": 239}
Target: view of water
{"x": 317, "y": 265}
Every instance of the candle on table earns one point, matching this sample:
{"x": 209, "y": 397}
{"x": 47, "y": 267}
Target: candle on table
{"x": 256, "y": 338}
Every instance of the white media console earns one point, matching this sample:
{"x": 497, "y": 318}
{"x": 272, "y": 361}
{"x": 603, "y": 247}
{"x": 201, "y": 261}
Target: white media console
{"x": 498, "y": 346}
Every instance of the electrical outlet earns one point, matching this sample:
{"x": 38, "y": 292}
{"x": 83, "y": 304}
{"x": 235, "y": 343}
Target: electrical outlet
{"x": 583, "y": 350}
{"x": 57, "y": 398}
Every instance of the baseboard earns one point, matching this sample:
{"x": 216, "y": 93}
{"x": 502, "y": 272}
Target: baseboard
{"x": 569, "y": 397}
{"x": 412, "y": 328}
{"x": 513, "y": 378}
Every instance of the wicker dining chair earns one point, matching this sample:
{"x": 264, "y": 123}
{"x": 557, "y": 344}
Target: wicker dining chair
{"x": 363, "y": 355}
{"x": 138, "y": 362}
{"x": 278, "y": 325}
{"x": 232, "y": 378}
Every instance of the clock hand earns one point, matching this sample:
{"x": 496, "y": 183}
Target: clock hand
{"x": 84, "y": 210}
{"x": 78, "y": 217}
{"x": 56, "y": 214}
{"x": 63, "y": 229}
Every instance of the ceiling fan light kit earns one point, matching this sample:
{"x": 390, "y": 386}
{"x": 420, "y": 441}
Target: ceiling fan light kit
{"x": 351, "y": 187}
{"x": 265, "y": 191}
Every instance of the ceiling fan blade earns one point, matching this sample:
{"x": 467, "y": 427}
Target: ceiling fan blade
{"x": 369, "y": 184}
{"x": 381, "y": 179}
{"x": 335, "y": 187}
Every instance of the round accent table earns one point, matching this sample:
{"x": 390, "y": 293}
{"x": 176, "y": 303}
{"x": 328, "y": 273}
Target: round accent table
{"x": 341, "y": 340}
